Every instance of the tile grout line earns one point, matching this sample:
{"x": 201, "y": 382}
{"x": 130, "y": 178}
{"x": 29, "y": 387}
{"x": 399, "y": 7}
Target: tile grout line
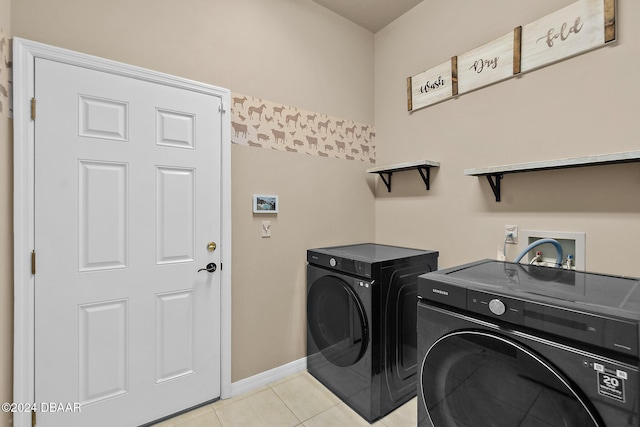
{"x": 284, "y": 403}
{"x": 213, "y": 409}
{"x": 310, "y": 418}
{"x": 326, "y": 410}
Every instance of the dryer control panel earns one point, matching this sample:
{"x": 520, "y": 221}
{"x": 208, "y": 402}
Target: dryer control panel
{"x": 344, "y": 265}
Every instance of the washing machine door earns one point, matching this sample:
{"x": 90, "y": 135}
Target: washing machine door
{"x": 337, "y": 321}
{"x": 478, "y": 378}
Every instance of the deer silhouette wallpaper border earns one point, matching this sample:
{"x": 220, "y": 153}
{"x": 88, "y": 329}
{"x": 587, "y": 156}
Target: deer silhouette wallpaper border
{"x": 5, "y": 66}
{"x": 259, "y": 123}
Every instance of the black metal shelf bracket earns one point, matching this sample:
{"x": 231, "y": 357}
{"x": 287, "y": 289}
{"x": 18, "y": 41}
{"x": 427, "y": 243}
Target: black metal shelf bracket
{"x": 386, "y": 181}
{"x": 424, "y": 171}
{"x": 425, "y": 174}
{"x": 423, "y": 167}
{"x": 495, "y": 184}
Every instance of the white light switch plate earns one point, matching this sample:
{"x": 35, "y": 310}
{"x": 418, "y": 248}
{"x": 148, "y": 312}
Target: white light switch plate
{"x": 266, "y": 228}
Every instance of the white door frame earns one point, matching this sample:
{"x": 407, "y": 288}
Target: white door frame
{"x": 24, "y": 54}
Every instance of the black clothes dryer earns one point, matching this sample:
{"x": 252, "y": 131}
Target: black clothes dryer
{"x": 504, "y": 344}
{"x": 361, "y": 323}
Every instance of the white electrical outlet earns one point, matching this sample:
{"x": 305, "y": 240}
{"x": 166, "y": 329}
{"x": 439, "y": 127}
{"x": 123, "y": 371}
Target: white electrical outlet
{"x": 266, "y": 228}
{"x": 511, "y": 234}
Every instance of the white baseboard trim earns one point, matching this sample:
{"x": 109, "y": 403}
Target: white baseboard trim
{"x": 264, "y": 378}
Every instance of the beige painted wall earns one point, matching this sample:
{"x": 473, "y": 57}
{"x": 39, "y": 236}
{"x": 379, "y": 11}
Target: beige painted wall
{"x": 291, "y": 52}
{"x": 6, "y": 230}
{"x": 586, "y": 105}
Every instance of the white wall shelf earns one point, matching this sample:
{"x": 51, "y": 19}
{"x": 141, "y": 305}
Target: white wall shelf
{"x": 495, "y": 174}
{"x": 422, "y": 166}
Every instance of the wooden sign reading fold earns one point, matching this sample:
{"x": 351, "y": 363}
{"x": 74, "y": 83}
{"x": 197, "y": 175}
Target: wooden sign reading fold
{"x": 572, "y": 30}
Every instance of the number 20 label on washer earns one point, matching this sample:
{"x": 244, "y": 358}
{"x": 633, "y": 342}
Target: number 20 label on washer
{"x": 611, "y": 385}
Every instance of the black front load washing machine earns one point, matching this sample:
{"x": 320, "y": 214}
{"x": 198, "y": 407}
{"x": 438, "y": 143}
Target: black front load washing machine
{"x": 505, "y": 344}
{"x": 361, "y": 323}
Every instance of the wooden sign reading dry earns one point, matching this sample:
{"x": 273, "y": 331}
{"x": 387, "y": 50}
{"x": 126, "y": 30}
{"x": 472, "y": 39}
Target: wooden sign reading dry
{"x": 487, "y": 64}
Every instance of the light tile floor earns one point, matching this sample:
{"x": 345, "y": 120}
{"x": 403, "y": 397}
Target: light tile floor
{"x": 295, "y": 401}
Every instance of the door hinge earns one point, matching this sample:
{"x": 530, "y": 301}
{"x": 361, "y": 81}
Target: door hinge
{"x": 33, "y": 262}
{"x": 33, "y": 108}
{"x": 221, "y": 108}
{"x": 33, "y": 418}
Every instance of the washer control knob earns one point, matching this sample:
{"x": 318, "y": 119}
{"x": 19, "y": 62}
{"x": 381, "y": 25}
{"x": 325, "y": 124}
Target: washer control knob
{"x": 332, "y": 262}
{"x": 497, "y": 307}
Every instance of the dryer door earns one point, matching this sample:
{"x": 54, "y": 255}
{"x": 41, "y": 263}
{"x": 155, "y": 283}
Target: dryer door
{"x": 337, "y": 321}
{"x": 478, "y": 378}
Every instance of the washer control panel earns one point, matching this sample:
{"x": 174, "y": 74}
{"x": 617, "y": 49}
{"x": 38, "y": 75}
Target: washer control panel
{"x": 508, "y": 309}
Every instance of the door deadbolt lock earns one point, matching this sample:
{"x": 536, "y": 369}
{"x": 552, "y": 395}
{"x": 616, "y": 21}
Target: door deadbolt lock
{"x": 211, "y": 246}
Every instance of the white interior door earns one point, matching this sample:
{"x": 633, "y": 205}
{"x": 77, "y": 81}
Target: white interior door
{"x": 127, "y": 197}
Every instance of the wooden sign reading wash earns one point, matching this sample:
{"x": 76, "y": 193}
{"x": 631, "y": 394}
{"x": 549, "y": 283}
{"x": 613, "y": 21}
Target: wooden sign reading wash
{"x": 577, "y": 28}
{"x": 430, "y": 86}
